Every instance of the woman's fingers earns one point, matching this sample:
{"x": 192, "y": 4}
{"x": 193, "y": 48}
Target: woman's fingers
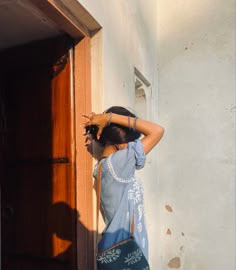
{"x": 95, "y": 119}
{"x": 99, "y": 132}
{"x": 90, "y": 118}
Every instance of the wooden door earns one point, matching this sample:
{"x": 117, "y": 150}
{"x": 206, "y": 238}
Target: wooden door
{"x": 39, "y": 216}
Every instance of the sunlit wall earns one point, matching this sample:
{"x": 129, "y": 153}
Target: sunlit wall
{"x": 196, "y": 76}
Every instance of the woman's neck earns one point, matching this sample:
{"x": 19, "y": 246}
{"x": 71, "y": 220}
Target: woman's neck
{"x": 111, "y": 149}
{"x": 108, "y": 150}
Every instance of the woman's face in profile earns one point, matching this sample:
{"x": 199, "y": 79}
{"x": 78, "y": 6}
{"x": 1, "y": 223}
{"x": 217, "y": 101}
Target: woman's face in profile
{"x": 93, "y": 146}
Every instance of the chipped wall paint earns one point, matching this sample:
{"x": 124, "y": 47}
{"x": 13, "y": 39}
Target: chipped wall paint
{"x": 174, "y": 263}
{"x": 196, "y": 75}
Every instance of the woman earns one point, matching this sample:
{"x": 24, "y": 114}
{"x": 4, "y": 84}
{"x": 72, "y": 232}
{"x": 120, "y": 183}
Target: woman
{"x": 119, "y": 130}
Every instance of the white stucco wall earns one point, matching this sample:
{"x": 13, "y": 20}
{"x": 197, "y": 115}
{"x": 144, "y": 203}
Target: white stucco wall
{"x": 127, "y": 40}
{"x": 186, "y": 49}
{"x": 196, "y": 74}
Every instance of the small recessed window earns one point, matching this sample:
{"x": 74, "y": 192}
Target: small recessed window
{"x": 142, "y": 86}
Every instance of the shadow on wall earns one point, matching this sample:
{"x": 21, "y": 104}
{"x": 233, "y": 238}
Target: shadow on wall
{"x": 63, "y": 222}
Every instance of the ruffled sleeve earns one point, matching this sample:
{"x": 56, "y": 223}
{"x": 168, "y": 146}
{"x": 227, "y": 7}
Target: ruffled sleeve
{"x": 122, "y": 164}
{"x": 140, "y": 156}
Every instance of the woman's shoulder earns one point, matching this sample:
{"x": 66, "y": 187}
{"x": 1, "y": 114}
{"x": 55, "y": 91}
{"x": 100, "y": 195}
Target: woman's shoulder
{"x": 122, "y": 164}
{"x": 101, "y": 164}
{"x": 127, "y": 160}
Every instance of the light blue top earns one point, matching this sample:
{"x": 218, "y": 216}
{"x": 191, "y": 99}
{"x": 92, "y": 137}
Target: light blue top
{"x": 122, "y": 197}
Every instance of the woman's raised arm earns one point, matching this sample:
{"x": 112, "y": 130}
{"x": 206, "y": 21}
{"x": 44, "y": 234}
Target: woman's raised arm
{"x": 152, "y": 132}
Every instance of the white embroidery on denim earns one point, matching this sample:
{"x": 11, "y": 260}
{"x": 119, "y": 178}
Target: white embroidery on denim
{"x": 134, "y": 257}
{"x": 140, "y": 211}
{"x": 109, "y": 256}
{"x": 115, "y": 175}
{"x": 140, "y": 227}
{"x": 135, "y": 193}
{"x": 131, "y": 195}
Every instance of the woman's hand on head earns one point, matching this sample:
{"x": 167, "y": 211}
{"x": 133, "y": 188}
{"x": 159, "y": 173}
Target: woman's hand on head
{"x": 99, "y": 120}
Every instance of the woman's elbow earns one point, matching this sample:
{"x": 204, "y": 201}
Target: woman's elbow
{"x": 159, "y": 132}
{"x": 162, "y": 131}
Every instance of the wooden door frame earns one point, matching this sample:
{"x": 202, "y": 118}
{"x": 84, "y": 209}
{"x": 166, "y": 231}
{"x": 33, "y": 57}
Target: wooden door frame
{"x": 73, "y": 19}
{"x": 83, "y": 161}
{"x": 70, "y": 16}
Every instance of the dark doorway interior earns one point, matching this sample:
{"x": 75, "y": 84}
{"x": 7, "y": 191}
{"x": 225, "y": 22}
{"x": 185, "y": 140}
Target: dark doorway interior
{"x": 36, "y": 173}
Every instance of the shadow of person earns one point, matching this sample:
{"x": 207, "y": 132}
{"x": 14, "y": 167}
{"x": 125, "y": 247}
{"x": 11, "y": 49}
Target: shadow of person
{"x": 66, "y": 228}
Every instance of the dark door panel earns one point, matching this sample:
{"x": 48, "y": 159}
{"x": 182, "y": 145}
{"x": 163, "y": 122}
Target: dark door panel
{"x": 37, "y": 178}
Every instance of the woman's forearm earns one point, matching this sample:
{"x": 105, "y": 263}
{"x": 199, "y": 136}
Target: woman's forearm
{"x": 152, "y": 132}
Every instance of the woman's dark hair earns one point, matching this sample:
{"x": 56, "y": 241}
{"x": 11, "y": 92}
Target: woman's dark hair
{"x": 114, "y": 133}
